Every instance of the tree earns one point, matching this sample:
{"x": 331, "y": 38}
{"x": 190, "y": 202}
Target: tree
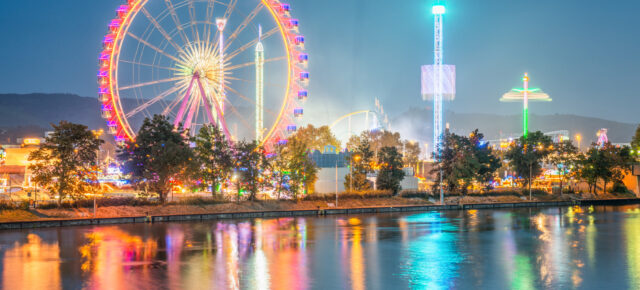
{"x": 159, "y": 156}
{"x": 411, "y": 153}
{"x": 486, "y": 159}
{"x": 527, "y": 153}
{"x": 390, "y": 174}
{"x": 317, "y": 138}
{"x": 360, "y": 161}
{"x": 464, "y": 160}
{"x": 303, "y": 172}
{"x": 635, "y": 143}
{"x": 214, "y": 156}
{"x": 62, "y": 163}
{"x": 292, "y": 168}
{"x": 608, "y": 163}
{"x": 279, "y": 168}
{"x": 564, "y": 156}
{"x": 376, "y": 139}
{"x": 250, "y": 162}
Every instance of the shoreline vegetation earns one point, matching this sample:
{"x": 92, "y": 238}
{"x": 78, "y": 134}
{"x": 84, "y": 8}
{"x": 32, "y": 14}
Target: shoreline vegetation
{"x": 134, "y": 207}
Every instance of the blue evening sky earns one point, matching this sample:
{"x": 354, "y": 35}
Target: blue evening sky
{"x": 583, "y": 53}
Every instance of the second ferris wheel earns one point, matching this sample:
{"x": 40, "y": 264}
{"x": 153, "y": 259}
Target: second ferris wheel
{"x": 239, "y": 64}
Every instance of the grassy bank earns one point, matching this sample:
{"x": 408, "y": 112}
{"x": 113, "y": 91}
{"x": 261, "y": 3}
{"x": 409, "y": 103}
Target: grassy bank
{"x": 199, "y": 206}
{"x": 127, "y": 207}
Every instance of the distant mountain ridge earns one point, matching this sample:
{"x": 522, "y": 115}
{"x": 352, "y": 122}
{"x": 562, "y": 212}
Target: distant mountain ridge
{"x": 22, "y": 114}
{"x": 500, "y": 126}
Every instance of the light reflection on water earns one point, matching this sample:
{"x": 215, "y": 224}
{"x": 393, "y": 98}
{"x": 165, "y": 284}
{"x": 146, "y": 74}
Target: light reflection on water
{"x": 561, "y": 248}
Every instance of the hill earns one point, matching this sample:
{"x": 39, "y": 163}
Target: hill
{"x": 497, "y": 126}
{"x": 31, "y": 114}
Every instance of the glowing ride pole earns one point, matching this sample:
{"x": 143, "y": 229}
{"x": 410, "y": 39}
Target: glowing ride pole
{"x": 525, "y": 95}
{"x": 259, "y": 60}
{"x": 437, "y": 10}
{"x": 525, "y": 109}
{"x": 221, "y": 23}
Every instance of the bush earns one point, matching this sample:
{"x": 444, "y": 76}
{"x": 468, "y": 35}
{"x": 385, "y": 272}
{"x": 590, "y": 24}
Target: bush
{"x": 350, "y": 194}
{"x": 414, "y": 194}
{"x": 201, "y": 201}
{"x": 619, "y": 187}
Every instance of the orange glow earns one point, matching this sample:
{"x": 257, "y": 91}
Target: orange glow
{"x": 31, "y": 141}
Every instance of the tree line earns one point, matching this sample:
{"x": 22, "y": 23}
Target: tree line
{"x": 466, "y": 160}
{"x": 163, "y": 157}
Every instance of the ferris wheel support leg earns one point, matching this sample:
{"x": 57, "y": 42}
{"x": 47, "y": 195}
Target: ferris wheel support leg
{"x": 221, "y": 120}
{"x": 183, "y": 107}
{"x": 192, "y": 110}
{"x": 207, "y": 104}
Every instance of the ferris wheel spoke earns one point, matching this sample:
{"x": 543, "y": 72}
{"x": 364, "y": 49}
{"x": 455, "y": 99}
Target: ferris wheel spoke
{"x": 270, "y": 84}
{"x": 153, "y": 47}
{"x": 246, "y": 64}
{"x": 152, "y": 101}
{"x": 246, "y": 99}
{"x": 169, "y": 109}
{"x": 192, "y": 18}
{"x": 230, "y": 8}
{"x": 161, "y": 30}
{"x": 161, "y": 81}
{"x": 149, "y": 65}
{"x": 209, "y": 19}
{"x": 250, "y": 44}
{"x": 176, "y": 21}
{"x": 243, "y": 25}
{"x": 240, "y": 117}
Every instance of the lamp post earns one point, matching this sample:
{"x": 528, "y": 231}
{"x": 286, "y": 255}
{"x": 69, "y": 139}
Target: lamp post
{"x": 336, "y": 183}
{"x": 97, "y": 134}
{"x": 579, "y": 139}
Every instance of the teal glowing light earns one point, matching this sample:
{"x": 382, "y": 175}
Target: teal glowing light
{"x": 438, "y": 9}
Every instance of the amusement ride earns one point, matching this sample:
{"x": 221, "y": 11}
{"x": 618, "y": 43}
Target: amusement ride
{"x": 226, "y": 62}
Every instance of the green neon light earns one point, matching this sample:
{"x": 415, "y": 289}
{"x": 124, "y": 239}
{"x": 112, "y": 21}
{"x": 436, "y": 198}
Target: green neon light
{"x": 525, "y": 121}
{"x": 521, "y": 90}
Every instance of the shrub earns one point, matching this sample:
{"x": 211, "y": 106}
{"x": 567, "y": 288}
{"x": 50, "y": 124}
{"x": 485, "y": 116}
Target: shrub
{"x": 619, "y": 187}
{"x": 201, "y": 201}
{"x": 414, "y": 194}
{"x": 350, "y": 194}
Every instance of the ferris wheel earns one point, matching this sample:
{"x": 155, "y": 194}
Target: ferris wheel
{"x": 239, "y": 64}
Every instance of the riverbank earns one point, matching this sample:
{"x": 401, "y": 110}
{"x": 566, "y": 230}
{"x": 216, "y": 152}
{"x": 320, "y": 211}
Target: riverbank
{"x": 17, "y": 219}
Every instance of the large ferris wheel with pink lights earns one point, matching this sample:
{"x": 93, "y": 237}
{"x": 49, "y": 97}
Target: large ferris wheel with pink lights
{"x": 239, "y": 64}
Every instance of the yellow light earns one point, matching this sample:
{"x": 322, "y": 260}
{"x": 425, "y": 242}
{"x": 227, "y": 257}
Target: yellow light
{"x": 31, "y": 141}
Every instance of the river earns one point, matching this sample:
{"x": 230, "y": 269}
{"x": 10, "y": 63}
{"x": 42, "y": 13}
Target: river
{"x": 554, "y": 248}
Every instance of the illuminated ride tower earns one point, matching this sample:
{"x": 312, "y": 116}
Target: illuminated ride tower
{"x": 259, "y": 60}
{"x": 525, "y": 95}
{"x": 438, "y": 11}
{"x": 439, "y": 79}
{"x": 221, "y": 23}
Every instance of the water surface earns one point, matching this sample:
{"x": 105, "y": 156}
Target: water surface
{"x": 554, "y": 248}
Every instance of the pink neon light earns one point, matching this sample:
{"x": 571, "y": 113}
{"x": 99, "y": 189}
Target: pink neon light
{"x": 183, "y": 107}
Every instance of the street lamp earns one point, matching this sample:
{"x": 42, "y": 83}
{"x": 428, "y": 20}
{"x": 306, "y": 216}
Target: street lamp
{"x": 97, "y": 134}
{"x": 579, "y": 139}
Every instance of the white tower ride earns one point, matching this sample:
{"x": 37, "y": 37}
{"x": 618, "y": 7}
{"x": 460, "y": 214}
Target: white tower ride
{"x": 259, "y": 86}
{"x": 221, "y": 23}
{"x": 438, "y": 12}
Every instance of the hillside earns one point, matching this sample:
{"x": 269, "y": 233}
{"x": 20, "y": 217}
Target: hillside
{"x": 31, "y": 114}
{"x": 497, "y": 126}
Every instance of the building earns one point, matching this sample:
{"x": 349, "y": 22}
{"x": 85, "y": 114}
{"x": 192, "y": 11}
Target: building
{"x": 14, "y": 164}
{"x": 333, "y": 167}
